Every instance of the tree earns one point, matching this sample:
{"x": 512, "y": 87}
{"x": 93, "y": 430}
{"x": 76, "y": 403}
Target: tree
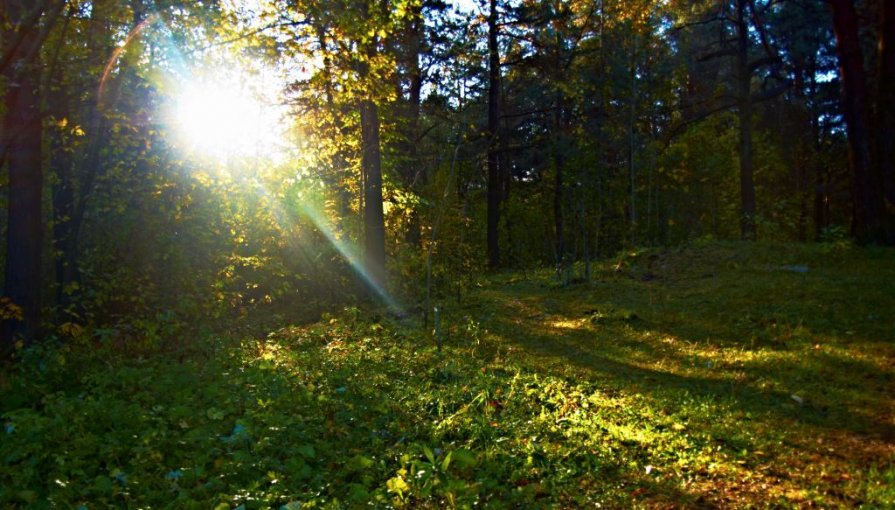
{"x": 886, "y": 109}
{"x": 355, "y": 41}
{"x": 740, "y": 23}
{"x": 744, "y": 111}
{"x": 26, "y": 26}
{"x": 410, "y": 52}
{"x": 494, "y": 108}
{"x": 869, "y": 214}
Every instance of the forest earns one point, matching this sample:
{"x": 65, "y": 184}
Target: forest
{"x": 447, "y": 254}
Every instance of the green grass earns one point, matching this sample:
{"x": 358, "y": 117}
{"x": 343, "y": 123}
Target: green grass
{"x": 725, "y": 375}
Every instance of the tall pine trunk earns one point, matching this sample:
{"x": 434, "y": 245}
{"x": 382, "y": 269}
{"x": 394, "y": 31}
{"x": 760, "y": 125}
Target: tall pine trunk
{"x": 886, "y": 110}
{"x": 494, "y": 188}
{"x": 868, "y": 207}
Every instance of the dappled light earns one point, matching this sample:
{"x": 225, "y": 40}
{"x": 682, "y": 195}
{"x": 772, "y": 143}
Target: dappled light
{"x": 569, "y": 323}
{"x": 417, "y": 254}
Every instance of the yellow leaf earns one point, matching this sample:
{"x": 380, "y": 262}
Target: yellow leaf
{"x": 397, "y": 485}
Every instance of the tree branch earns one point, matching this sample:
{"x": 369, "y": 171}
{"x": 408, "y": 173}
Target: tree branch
{"x": 22, "y": 30}
{"x": 755, "y": 64}
{"x": 770, "y": 93}
{"x": 726, "y": 52}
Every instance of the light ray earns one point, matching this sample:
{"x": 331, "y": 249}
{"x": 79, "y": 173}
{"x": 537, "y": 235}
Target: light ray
{"x": 346, "y": 249}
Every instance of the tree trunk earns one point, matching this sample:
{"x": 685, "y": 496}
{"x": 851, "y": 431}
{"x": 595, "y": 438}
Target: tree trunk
{"x": 62, "y": 193}
{"x": 494, "y": 191}
{"x": 744, "y": 107}
{"x": 100, "y": 46}
{"x": 886, "y": 111}
{"x": 414, "y": 173}
{"x": 374, "y": 221}
{"x": 506, "y": 183}
{"x": 22, "y": 132}
{"x": 558, "y": 186}
{"x": 820, "y": 186}
{"x": 632, "y": 106}
{"x": 801, "y": 150}
{"x": 559, "y": 150}
{"x": 867, "y": 207}
{"x": 338, "y": 132}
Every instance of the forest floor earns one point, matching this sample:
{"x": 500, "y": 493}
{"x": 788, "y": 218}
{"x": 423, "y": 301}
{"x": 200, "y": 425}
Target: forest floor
{"x": 727, "y": 375}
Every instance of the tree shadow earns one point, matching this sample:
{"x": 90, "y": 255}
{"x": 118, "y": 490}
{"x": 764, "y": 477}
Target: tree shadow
{"x": 620, "y": 352}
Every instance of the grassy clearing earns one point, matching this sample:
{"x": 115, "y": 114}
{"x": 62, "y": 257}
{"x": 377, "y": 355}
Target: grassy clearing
{"x": 726, "y": 375}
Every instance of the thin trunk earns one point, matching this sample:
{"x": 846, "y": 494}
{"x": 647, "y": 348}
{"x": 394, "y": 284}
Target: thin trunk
{"x": 434, "y": 237}
{"x": 820, "y": 222}
{"x": 800, "y": 156}
{"x": 649, "y": 199}
{"x": 338, "y": 161}
{"x": 631, "y": 113}
{"x": 414, "y": 174}
{"x": 61, "y": 161}
{"x": 62, "y": 192}
{"x": 559, "y": 155}
{"x": 100, "y": 46}
{"x": 506, "y": 181}
{"x": 599, "y": 223}
{"x": 744, "y": 106}
{"x": 558, "y": 185}
{"x": 868, "y": 207}
{"x": 494, "y": 191}
{"x": 582, "y": 204}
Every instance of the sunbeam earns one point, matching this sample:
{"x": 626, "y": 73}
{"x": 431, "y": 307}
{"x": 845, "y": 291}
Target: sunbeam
{"x": 346, "y": 249}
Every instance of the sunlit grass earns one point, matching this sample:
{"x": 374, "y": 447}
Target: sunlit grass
{"x": 657, "y": 397}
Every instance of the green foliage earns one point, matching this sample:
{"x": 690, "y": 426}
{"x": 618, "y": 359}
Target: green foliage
{"x": 151, "y": 390}
{"x": 633, "y": 391}
{"x": 698, "y": 173}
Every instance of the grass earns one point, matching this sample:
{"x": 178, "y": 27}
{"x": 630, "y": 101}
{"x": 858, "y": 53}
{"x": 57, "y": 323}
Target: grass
{"x": 728, "y": 375}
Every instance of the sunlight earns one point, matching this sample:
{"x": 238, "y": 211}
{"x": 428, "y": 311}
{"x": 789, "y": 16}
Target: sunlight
{"x": 570, "y": 323}
{"x": 229, "y": 115}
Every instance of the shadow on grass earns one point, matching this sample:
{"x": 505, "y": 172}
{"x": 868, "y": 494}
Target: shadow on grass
{"x": 850, "y": 390}
{"x": 395, "y": 410}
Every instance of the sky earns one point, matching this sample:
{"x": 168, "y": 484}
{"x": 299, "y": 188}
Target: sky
{"x": 466, "y": 5}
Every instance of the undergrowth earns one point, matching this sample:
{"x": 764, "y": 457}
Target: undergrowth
{"x": 728, "y": 375}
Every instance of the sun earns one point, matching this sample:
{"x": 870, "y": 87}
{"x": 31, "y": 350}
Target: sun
{"x": 228, "y": 115}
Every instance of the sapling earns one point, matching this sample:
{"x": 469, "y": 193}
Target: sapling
{"x": 438, "y": 328}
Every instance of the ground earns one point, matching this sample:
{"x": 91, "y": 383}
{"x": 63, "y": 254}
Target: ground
{"x": 726, "y": 375}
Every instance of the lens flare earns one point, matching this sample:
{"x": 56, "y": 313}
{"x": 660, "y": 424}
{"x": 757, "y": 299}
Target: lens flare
{"x": 348, "y": 250}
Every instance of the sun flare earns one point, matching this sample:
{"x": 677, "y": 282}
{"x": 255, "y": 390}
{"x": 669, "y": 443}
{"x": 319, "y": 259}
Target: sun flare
{"x": 223, "y": 117}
